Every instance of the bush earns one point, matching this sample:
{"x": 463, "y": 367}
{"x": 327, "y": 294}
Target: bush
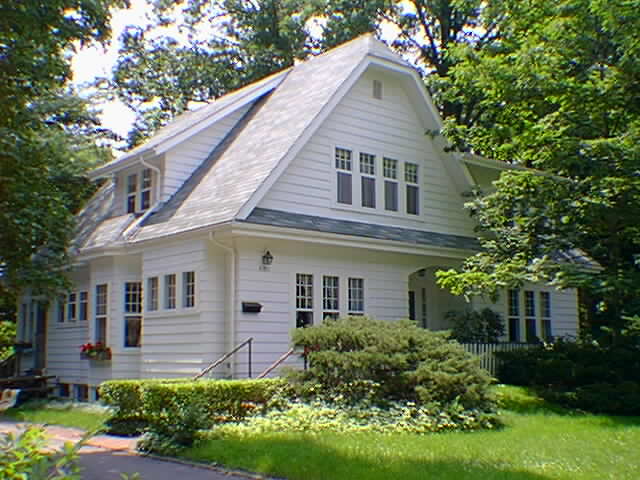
{"x": 24, "y": 456}
{"x": 579, "y": 375}
{"x": 172, "y": 412}
{"x": 125, "y": 398}
{"x": 485, "y": 326}
{"x": 361, "y": 358}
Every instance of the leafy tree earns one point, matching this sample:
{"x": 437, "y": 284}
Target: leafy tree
{"x": 42, "y": 153}
{"x": 158, "y": 77}
{"x": 560, "y": 98}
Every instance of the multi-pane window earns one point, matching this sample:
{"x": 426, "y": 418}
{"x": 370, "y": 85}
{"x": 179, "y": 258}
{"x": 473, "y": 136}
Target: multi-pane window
{"x": 356, "y": 296}
{"x": 145, "y": 189}
{"x": 132, "y": 192}
{"x": 514, "y": 315}
{"x": 545, "y": 314}
{"x": 83, "y": 312}
{"x": 132, "y": 313}
{"x": 413, "y": 191}
{"x": 368, "y": 179}
{"x": 343, "y": 167}
{"x": 390, "y": 172}
{"x": 101, "y": 313}
{"x": 152, "y": 294}
{"x": 170, "y": 291}
{"x": 139, "y": 186}
{"x": 330, "y": 297}
{"x": 188, "y": 289}
{"x": 304, "y": 300}
{"x": 530, "y": 315}
{"x": 60, "y": 308}
{"x": 72, "y": 307}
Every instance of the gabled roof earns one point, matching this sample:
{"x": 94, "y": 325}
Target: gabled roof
{"x": 285, "y": 110}
{"x": 269, "y": 133}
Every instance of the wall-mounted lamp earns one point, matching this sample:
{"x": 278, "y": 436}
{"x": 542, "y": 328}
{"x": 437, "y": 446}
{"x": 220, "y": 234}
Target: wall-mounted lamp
{"x": 267, "y": 258}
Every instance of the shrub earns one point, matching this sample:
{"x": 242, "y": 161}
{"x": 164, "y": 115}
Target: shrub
{"x": 579, "y": 375}
{"x": 485, "y": 326}
{"x": 172, "y": 412}
{"x": 24, "y": 456}
{"x": 125, "y": 398}
{"x": 361, "y": 358}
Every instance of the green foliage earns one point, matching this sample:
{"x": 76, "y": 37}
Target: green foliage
{"x": 44, "y": 152}
{"x": 90, "y": 417}
{"x": 485, "y": 326}
{"x": 362, "y": 358}
{"x": 7, "y": 337}
{"x": 600, "y": 379}
{"x": 173, "y": 411}
{"x": 559, "y": 96}
{"x": 128, "y": 416}
{"x": 318, "y": 416}
{"x": 24, "y": 456}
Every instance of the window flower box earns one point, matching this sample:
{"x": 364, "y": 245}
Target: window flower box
{"x": 97, "y": 351}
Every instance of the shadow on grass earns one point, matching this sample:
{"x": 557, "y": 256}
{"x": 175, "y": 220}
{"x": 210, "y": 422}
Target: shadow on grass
{"x": 305, "y": 458}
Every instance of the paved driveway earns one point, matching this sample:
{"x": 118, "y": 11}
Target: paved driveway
{"x": 106, "y": 457}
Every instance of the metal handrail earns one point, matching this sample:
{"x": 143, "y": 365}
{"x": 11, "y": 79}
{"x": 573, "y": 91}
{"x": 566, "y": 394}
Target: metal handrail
{"x": 225, "y": 356}
{"x": 277, "y": 363}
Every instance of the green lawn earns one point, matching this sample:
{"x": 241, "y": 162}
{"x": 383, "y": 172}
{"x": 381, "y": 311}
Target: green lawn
{"x": 86, "y": 417}
{"x": 536, "y": 443}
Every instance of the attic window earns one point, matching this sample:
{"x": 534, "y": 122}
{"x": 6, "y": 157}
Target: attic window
{"x": 377, "y": 89}
{"x": 139, "y": 191}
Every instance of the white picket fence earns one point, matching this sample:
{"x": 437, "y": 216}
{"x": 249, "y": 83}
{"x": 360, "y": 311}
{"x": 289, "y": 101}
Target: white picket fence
{"x": 486, "y": 351}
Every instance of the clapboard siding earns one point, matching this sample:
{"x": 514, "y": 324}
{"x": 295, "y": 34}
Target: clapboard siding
{"x": 389, "y": 128}
{"x": 385, "y": 275}
{"x": 183, "y": 159}
{"x": 182, "y": 341}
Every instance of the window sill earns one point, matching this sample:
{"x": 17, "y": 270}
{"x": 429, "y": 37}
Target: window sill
{"x": 71, "y": 326}
{"x": 181, "y": 312}
{"x": 376, "y": 212}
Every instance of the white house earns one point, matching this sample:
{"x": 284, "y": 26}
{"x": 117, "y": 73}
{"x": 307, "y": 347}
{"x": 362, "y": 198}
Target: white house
{"x": 313, "y": 193}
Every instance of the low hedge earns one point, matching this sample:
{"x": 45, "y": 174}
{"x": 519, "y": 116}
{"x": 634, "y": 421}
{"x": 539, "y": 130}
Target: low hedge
{"x": 158, "y": 404}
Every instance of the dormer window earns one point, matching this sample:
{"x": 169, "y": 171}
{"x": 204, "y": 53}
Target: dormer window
{"x": 139, "y": 191}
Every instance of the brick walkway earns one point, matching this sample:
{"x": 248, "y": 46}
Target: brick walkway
{"x": 106, "y": 457}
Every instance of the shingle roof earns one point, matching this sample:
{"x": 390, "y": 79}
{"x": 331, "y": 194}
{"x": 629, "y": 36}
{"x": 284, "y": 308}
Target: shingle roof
{"x": 263, "y": 216}
{"x": 266, "y": 136}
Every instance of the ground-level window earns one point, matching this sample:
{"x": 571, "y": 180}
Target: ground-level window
{"x": 81, "y": 393}
{"x": 101, "y": 314}
{"x": 412, "y": 305}
{"x": 60, "y": 308}
{"x": 64, "y": 390}
{"x": 170, "y": 291}
{"x": 330, "y": 297}
{"x": 530, "y": 316}
{"x": 188, "y": 289}
{"x": 356, "y": 296}
{"x": 304, "y": 300}
{"x": 132, "y": 313}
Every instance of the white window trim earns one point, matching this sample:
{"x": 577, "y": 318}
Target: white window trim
{"x": 356, "y": 183}
{"x": 165, "y": 292}
{"x": 183, "y": 295}
{"x": 126, "y": 315}
{"x": 140, "y": 189}
{"x": 95, "y": 316}
{"x": 522, "y": 313}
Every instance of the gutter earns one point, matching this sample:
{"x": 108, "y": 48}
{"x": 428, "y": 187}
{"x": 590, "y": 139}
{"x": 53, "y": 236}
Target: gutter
{"x": 231, "y": 297}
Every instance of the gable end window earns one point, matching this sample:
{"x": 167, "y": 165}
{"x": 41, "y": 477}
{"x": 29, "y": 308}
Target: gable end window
{"x": 390, "y": 172}
{"x": 344, "y": 176}
{"x": 413, "y": 191}
{"x": 368, "y": 179}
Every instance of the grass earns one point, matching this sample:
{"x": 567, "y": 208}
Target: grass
{"x": 67, "y": 414}
{"x": 538, "y": 442}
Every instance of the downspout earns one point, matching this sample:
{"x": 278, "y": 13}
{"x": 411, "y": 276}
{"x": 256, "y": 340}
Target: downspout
{"x": 133, "y": 228}
{"x": 231, "y": 334}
